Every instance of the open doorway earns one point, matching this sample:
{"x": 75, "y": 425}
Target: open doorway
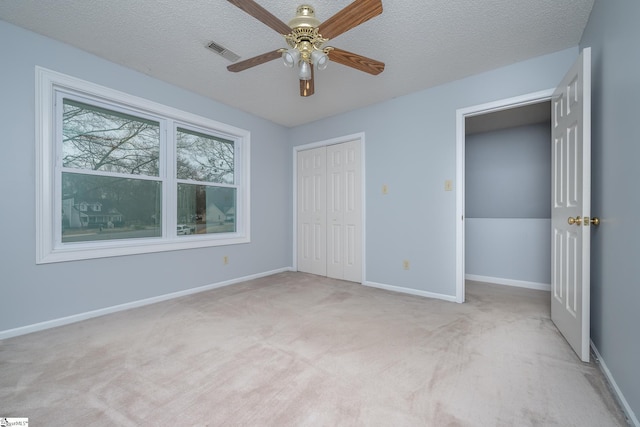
{"x": 507, "y": 197}
{"x": 503, "y": 198}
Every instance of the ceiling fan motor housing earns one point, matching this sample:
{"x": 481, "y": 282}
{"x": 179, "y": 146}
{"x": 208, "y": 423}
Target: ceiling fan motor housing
{"x": 305, "y": 17}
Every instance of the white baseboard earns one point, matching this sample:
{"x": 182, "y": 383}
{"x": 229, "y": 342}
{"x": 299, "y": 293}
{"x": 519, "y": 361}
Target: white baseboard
{"x": 509, "y": 282}
{"x": 410, "y": 291}
{"x": 631, "y": 416}
{"x": 126, "y": 306}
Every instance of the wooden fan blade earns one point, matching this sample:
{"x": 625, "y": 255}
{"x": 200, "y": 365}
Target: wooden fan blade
{"x": 351, "y": 16}
{"x": 256, "y": 60}
{"x": 262, "y": 15}
{"x": 307, "y": 86}
{"x": 356, "y": 61}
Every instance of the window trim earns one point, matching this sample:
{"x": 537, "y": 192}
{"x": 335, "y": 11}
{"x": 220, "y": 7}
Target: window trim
{"x": 48, "y": 249}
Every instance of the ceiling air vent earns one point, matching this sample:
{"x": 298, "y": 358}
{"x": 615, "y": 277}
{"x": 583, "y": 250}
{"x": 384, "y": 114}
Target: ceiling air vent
{"x": 223, "y": 51}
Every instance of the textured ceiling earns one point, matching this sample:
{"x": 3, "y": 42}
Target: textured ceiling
{"x": 424, "y": 43}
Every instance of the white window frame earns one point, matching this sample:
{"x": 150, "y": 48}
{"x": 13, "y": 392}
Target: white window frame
{"x": 49, "y": 247}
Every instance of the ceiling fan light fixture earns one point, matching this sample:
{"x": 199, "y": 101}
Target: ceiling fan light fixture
{"x": 320, "y": 59}
{"x": 305, "y": 71}
{"x": 291, "y": 57}
{"x": 306, "y": 38}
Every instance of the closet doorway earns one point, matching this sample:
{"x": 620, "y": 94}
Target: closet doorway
{"x": 508, "y": 197}
{"x": 329, "y": 214}
{"x": 503, "y": 199}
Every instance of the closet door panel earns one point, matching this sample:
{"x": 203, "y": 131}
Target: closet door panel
{"x": 344, "y": 213}
{"x": 312, "y": 224}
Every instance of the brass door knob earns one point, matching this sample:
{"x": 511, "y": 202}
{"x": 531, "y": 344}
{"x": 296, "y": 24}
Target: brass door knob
{"x": 587, "y": 221}
{"x": 577, "y": 220}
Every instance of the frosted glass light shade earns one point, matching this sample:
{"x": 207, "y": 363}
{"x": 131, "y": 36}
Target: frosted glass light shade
{"x": 320, "y": 59}
{"x": 291, "y": 57}
{"x": 305, "y": 71}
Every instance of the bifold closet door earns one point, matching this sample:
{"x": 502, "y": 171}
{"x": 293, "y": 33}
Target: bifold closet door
{"x": 330, "y": 211}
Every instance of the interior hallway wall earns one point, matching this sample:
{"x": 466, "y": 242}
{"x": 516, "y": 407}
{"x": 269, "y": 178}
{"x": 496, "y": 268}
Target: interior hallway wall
{"x": 613, "y": 34}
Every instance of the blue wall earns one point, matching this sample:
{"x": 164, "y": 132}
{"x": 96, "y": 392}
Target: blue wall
{"x": 613, "y": 32}
{"x": 410, "y": 145}
{"x": 33, "y": 293}
{"x": 508, "y": 205}
{"x": 508, "y": 173}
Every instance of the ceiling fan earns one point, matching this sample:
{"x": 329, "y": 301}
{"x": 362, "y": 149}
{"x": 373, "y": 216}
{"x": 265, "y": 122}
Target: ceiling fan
{"x": 306, "y": 38}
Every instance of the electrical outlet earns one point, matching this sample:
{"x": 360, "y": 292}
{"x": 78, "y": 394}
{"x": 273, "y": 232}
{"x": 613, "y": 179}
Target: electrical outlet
{"x": 225, "y": 260}
{"x": 405, "y": 264}
{"x": 385, "y": 189}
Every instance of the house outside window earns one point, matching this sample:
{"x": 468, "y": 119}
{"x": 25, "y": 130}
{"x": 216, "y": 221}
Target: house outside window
{"x": 122, "y": 175}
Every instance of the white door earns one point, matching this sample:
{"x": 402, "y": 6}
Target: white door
{"x": 312, "y": 218}
{"x": 344, "y": 211}
{"x": 571, "y": 205}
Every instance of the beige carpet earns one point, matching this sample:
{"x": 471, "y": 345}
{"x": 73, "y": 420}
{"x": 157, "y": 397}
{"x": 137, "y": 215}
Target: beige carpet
{"x": 299, "y": 350}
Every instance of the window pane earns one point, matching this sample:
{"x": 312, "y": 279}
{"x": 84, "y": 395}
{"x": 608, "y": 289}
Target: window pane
{"x": 105, "y": 208}
{"x": 203, "y": 157}
{"x": 203, "y": 209}
{"x": 102, "y": 140}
